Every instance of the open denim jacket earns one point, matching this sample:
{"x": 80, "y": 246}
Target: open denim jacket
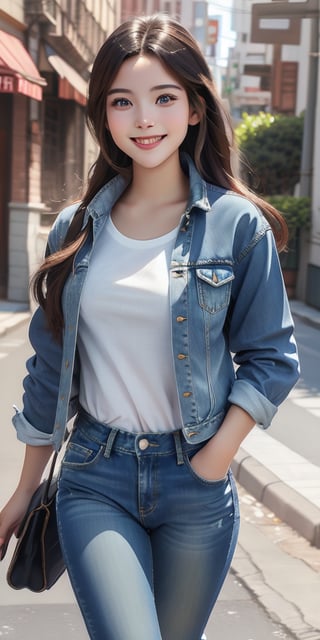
{"x": 228, "y": 307}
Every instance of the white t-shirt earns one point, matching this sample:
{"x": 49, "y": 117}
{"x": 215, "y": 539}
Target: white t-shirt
{"x": 127, "y": 373}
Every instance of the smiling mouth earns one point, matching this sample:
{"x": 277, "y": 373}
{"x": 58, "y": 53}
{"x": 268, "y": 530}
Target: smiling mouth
{"x": 148, "y": 141}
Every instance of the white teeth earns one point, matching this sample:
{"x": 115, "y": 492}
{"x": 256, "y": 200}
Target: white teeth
{"x": 148, "y": 140}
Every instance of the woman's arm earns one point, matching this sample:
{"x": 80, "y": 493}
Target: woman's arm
{"x": 214, "y": 459}
{"x": 11, "y": 515}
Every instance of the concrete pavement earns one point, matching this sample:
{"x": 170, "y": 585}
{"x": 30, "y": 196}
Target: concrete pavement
{"x": 12, "y": 314}
{"x": 281, "y": 486}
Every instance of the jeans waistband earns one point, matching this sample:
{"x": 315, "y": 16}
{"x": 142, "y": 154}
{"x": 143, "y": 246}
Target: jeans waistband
{"x": 146, "y": 444}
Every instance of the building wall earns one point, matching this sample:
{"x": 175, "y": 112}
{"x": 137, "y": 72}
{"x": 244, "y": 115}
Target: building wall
{"x": 75, "y": 30}
{"x": 310, "y": 289}
{"x": 12, "y": 10}
{"x": 130, "y": 8}
{"x": 300, "y": 53}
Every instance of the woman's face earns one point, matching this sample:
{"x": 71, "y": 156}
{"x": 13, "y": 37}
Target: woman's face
{"x": 148, "y": 111}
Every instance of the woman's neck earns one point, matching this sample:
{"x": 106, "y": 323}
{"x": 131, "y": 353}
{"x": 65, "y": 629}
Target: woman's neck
{"x": 153, "y": 203}
{"x": 166, "y": 183}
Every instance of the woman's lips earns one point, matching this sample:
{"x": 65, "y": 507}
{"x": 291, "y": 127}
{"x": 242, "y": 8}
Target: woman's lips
{"x": 147, "y": 142}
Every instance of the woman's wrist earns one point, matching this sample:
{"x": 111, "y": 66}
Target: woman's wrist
{"x": 35, "y": 461}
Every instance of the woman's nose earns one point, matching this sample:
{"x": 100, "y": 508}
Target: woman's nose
{"x": 144, "y": 123}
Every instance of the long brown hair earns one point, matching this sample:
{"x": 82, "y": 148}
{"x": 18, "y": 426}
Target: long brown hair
{"x": 210, "y": 143}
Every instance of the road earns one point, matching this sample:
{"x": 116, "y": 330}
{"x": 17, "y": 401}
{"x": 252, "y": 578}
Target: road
{"x": 54, "y": 614}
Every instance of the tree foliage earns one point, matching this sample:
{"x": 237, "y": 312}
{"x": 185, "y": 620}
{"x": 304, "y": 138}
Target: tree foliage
{"x": 270, "y": 149}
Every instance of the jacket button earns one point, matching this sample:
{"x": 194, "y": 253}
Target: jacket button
{"x": 180, "y": 318}
{"x": 181, "y": 356}
{"x": 186, "y": 394}
{"x": 67, "y": 364}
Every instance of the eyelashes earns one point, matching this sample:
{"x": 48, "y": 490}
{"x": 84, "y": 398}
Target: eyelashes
{"x": 164, "y": 99}
{"x": 120, "y": 102}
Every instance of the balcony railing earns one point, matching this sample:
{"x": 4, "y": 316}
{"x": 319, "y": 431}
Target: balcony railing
{"x": 69, "y": 27}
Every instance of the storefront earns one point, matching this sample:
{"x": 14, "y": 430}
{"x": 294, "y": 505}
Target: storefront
{"x": 21, "y": 91}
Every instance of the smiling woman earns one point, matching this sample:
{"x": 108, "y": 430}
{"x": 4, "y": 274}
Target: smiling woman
{"x": 153, "y": 284}
{"x": 148, "y": 117}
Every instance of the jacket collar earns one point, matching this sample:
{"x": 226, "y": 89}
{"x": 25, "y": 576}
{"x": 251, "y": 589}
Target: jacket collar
{"x": 108, "y": 195}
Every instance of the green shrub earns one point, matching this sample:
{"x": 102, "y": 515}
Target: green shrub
{"x": 295, "y": 209}
{"x": 270, "y": 147}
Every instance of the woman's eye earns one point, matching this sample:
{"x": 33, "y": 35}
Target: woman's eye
{"x": 165, "y": 99}
{"x": 120, "y": 102}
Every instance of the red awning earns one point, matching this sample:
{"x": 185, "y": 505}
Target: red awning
{"x": 18, "y": 73}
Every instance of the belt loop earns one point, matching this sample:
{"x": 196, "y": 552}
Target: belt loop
{"x": 177, "y": 441}
{"x": 110, "y": 440}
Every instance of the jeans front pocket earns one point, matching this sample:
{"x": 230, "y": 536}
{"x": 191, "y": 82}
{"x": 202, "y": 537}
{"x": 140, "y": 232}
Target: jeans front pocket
{"x": 214, "y": 287}
{"x": 197, "y": 477}
{"x": 81, "y": 452}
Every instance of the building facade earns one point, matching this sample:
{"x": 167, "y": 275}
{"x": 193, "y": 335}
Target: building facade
{"x": 274, "y": 66}
{"x": 46, "y": 49}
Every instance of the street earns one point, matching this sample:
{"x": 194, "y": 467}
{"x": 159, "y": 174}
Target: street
{"x": 238, "y": 614}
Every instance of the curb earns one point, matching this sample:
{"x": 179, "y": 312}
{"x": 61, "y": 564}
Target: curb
{"x": 286, "y": 503}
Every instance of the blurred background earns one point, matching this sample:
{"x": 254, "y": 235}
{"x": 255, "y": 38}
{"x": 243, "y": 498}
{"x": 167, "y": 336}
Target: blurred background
{"x": 264, "y": 58}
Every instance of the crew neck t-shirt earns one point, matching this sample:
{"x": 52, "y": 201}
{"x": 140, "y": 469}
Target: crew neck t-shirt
{"x": 127, "y": 374}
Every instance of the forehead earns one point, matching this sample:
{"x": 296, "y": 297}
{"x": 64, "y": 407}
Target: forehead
{"x": 142, "y": 68}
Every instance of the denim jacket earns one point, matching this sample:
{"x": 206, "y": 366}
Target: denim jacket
{"x": 232, "y": 331}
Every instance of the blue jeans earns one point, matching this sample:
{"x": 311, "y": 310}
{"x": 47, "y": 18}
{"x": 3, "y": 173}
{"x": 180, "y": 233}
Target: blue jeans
{"x": 147, "y": 542}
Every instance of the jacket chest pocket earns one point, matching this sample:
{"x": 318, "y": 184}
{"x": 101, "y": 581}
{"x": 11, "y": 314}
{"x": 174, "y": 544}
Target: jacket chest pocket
{"x": 214, "y": 287}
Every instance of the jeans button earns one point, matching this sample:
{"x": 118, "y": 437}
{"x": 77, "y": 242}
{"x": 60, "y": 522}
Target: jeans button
{"x": 143, "y": 444}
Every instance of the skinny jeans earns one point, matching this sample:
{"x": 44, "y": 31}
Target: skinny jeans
{"x": 147, "y": 542}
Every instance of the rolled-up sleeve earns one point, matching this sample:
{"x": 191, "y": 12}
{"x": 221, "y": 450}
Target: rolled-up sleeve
{"x": 35, "y": 423}
{"x": 261, "y": 333}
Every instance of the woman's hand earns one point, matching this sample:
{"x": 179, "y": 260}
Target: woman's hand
{"x": 212, "y": 462}
{"x": 11, "y": 516}
{"x": 35, "y": 460}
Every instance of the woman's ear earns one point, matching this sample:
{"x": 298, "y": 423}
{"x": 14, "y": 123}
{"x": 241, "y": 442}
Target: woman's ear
{"x": 194, "y": 118}
{"x": 195, "y": 114}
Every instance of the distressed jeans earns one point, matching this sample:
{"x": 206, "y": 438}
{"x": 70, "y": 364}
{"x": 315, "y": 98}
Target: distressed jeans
{"x": 147, "y": 542}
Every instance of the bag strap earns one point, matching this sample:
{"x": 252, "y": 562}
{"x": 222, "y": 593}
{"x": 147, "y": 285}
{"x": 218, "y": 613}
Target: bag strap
{"x": 50, "y": 476}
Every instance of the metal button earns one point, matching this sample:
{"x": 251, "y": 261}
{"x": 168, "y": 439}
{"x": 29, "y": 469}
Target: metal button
{"x": 143, "y": 444}
{"x": 181, "y": 356}
{"x": 180, "y": 318}
{"x": 186, "y": 394}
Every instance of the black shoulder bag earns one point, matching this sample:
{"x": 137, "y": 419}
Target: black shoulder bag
{"x": 37, "y": 562}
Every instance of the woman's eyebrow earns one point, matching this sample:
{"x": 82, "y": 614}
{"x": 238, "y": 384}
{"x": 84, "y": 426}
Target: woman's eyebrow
{"x": 119, "y": 90}
{"x": 158, "y": 87}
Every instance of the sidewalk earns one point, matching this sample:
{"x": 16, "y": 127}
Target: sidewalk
{"x": 12, "y": 314}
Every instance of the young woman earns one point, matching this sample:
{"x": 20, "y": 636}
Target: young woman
{"x": 166, "y": 268}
